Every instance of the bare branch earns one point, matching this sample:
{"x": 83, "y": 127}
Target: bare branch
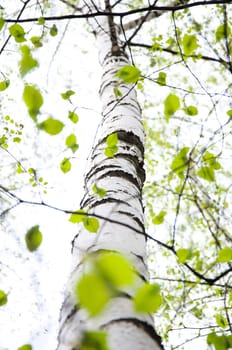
{"x": 209, "y": 280}
{"x": 122, "y": 14}
{"x": 177, "y": 53}
{"x": 71, "y": 5}
{"x": 16, "y": 20}
{"x": 151, "y": 15}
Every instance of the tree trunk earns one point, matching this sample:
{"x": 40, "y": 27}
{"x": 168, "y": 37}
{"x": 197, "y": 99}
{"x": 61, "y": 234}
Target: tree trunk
{"x": 122, "y": 177}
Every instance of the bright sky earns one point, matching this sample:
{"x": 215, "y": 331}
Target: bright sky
{"x": 34, "y": 281}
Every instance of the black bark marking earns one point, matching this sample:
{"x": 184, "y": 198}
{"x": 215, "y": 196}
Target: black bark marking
{"x": 147, "y": 328}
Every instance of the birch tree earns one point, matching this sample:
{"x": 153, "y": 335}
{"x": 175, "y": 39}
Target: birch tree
{"x": 117, "y": 170}
{"x": 177, "y": 58}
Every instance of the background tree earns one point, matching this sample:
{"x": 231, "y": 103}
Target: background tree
{"x": 184, "y": 88}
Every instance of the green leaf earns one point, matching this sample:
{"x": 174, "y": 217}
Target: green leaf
{"x": 180, "y": 162}
{"x": 191, "y": 110}
{"x": 115, "y": 269}
{"x": 4, "y": 84}
{"x": 17, "y": 139}
{"x": 17, "y": 31}
{"x": 148, "y": 298}
{"x": 197, "y": 312}
{"x": 117, "y": 92}
{"x": 220, "y": 342}
{"x": 112, "y": 140}
{"x": 222, "y": 32}
{"x": 211, "y": 160}
{"x": 33, "y": 100}
{"x": 31, "y": 171}
{"x": 41, "y": 21}
{"x": 5, "y": 145}
{"x": 2, "y": 22}
{"x": 33, "y": 238}
{"x": 221, "y": 321}
{"x": 190, "y": 44}
{"x": 111, "y": 151}
{"x": 3, "y": 298}
{"x": 25, "y": 347}
{"x": 229, "y": 113}
{"x": 129, "y": 74}
{"x": 53, "y": 30}
{"x": 94, "y": 341}
{"x": 19, "y": 169}
{"x": 183, "y": 255}
{"x": 65, "y": 165}
{"x": 112, "y": 148}
{"x": 161, "y": 80}
{"x": 67, "y": 94}
{"x": 73, "y": 117}
{"x": 171, "y": 105}
{"x": 206, "y": 173}
{"x": 71, "y": 142}
{"x": 92, "y": 293}
{"x": 78, "y": 216}
{"x": 101, "y": 192}
{"x": 159, "y": 219}
{"x": 36, "y": 41}
{"x": 27, "y": 62}
{"x": 91, "y": 224}
{"x": 224, "y": 255}
{"x": 3, "y": 141}
{"x": 51, "y": 126}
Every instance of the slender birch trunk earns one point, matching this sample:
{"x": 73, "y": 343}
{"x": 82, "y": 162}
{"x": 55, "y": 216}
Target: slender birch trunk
{"x": 122, "y": 178}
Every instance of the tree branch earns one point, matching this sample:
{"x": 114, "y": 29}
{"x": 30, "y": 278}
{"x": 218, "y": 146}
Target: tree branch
{"x": 15, "y": 21}
{"x": 147, "y": 17}
{"x": 177, "y": 53}
{"x": 209, "y": 280}
{"x": 122, "y": 14}
{"x": 73, "y": 6}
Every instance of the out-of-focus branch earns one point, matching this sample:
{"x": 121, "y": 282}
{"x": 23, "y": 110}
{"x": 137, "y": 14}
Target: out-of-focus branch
{"x": 69, "y": 4}
{"x": 146, "y": 18}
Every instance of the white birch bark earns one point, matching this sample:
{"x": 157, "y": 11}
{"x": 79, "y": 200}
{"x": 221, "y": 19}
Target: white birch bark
{"x": 122, "y": 177}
